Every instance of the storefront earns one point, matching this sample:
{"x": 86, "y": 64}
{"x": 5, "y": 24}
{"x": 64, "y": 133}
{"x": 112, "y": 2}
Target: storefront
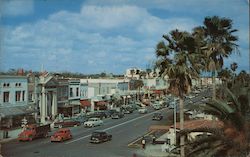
{"x": 101, "y": 105}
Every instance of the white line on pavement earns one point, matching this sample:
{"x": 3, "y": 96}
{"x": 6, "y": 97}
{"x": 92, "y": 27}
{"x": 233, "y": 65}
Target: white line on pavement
{"x": 115, "y": 126}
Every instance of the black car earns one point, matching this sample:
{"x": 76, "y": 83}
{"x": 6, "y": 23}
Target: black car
{"x": 100, "y": 136}
{"x": 157, "y": 116}
{"x": 117, "y": 115}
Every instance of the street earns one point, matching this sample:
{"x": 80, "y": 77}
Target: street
{"x": 123, "y": 130}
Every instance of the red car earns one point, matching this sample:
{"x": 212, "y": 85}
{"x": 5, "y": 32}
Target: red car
{"x": 61, "y": 135}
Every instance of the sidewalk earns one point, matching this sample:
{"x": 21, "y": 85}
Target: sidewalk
{"x": 153, "y": 151}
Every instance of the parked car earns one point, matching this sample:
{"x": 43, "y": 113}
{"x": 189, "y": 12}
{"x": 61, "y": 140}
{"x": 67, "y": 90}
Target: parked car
{"x": 112, "y": 111}
{"x": 127, "y": 109}
{"x": 80, "y": 119}
{"x": 100, "y": 136}
{"x": 61, "y": 135}
{"x": 117, "y": 115}
{"x": 33, "y": 131}
{"x": 67, "y": 123}
{"x": 157, "y": 116}
{"x": 92, "y": 122}
{"x": 142, "y": 110}
{"x": 157, "y": 106}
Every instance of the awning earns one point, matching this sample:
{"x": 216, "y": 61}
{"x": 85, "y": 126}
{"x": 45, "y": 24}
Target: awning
{"x": 85, "y": 103}
{"x": 15, "y": 111}
{"x": 101, "y": 103}
{"x": 75, "y": 102}
{"x": 158, "y": 91}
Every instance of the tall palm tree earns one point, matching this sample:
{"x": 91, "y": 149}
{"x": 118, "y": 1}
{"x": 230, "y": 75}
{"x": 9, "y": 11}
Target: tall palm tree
{"x": 220, "y": 43}
{"x": 180, "y": 68}
{"x": 138, "y": 84}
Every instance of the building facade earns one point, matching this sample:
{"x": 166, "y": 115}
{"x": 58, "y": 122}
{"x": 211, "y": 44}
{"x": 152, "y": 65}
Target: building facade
{"x": 14, "y": 104}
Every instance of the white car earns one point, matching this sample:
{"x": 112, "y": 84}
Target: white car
{"x": 92, "y": 122}
{"x": 156, "y": 106}
{"x": 142, "y": 110}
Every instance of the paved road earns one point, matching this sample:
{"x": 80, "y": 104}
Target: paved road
{"x": 123, "y": 130}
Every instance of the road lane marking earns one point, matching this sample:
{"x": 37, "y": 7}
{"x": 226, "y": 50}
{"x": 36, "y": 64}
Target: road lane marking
{"x": 116, "y": 125}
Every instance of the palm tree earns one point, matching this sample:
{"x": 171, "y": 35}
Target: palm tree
{"x": 148, "y": 71}
{"x": 138, "y": 84}
{"x": 220, "y": 42}
{"x": 234, "y": 66}
{"x": 180, "y": 68}
{"x": 225, "y": 75}
{"x": 230, "y": 140}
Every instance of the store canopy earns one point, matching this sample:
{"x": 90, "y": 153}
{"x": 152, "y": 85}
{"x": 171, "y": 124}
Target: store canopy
{"x": 18, "y": 110}
{"x": 85, "y": 103}
{"x": 101, "y": 103}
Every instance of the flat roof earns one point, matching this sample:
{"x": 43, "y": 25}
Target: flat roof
{"x": 13, "y": 76}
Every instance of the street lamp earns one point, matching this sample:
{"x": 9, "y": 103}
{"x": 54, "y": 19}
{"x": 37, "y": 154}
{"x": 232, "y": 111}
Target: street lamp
{"x": 174, "y": 121}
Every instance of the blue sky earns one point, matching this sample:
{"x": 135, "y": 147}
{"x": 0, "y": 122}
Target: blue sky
{"x": 94, "y": 36}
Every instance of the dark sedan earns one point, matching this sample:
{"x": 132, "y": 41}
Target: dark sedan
{"x": 100, "y": 136}
{"x": 157, "y": 116}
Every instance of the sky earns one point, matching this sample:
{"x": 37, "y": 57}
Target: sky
{"x": 94, "y": 36}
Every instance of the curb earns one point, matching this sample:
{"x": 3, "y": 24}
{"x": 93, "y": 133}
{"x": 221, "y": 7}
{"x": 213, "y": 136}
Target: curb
{"x": 133, "y": 143}
{"x": 7, "y": 140}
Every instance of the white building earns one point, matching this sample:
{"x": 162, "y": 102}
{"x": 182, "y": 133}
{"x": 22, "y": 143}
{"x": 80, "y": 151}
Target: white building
{"x": 14, "y": 103}
{"x": 133, "y": 73}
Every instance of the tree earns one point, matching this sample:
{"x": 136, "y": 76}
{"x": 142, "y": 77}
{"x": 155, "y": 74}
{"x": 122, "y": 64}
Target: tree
{"x": 225, "y": 75}
{"x": 217, "y": 34}
{"x": 142, "y": 74}
{"x": 230, "y": 140}
{"x": 234, "y": 66}
{"x": 180, "y": 68}
{"x": 148, "y": 71}
{"x": 138, "y": 84}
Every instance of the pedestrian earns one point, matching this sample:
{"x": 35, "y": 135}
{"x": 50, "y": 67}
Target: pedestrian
{"x": 153, "y": 139}
{"x": 143, "y": 142}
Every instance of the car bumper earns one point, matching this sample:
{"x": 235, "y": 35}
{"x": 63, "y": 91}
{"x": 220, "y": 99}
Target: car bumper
{"x": 54, "y": 139}
{"x": 95, "y": 141}
{"x": 23, "y": 139}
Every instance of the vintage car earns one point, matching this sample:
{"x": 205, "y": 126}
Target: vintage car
{"x": 61, "y": 135}
{"x": 92, "y": 122}
{"x": 67, "y": 123}
{"x": 99, "y": 137}
{"x": 157, "y": 116}
{"x": 142, "y": 110}
{"x": 117, "y": 115}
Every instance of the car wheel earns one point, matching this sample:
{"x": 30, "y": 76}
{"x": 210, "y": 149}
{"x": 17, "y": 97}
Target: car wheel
{"x": 60, "y": 126}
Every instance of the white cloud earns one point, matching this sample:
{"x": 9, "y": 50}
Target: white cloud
{"x": 97, "y": 38}
{"x": 16, "y": 7}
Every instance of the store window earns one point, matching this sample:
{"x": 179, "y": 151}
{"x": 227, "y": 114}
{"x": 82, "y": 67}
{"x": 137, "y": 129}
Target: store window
{"x": 6, "y": 96}
{"x": 23, "y": 95}
{"x": 18, "y": 96}
{"x": 71, "y": 92}
{"x": 77, "y": 91}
